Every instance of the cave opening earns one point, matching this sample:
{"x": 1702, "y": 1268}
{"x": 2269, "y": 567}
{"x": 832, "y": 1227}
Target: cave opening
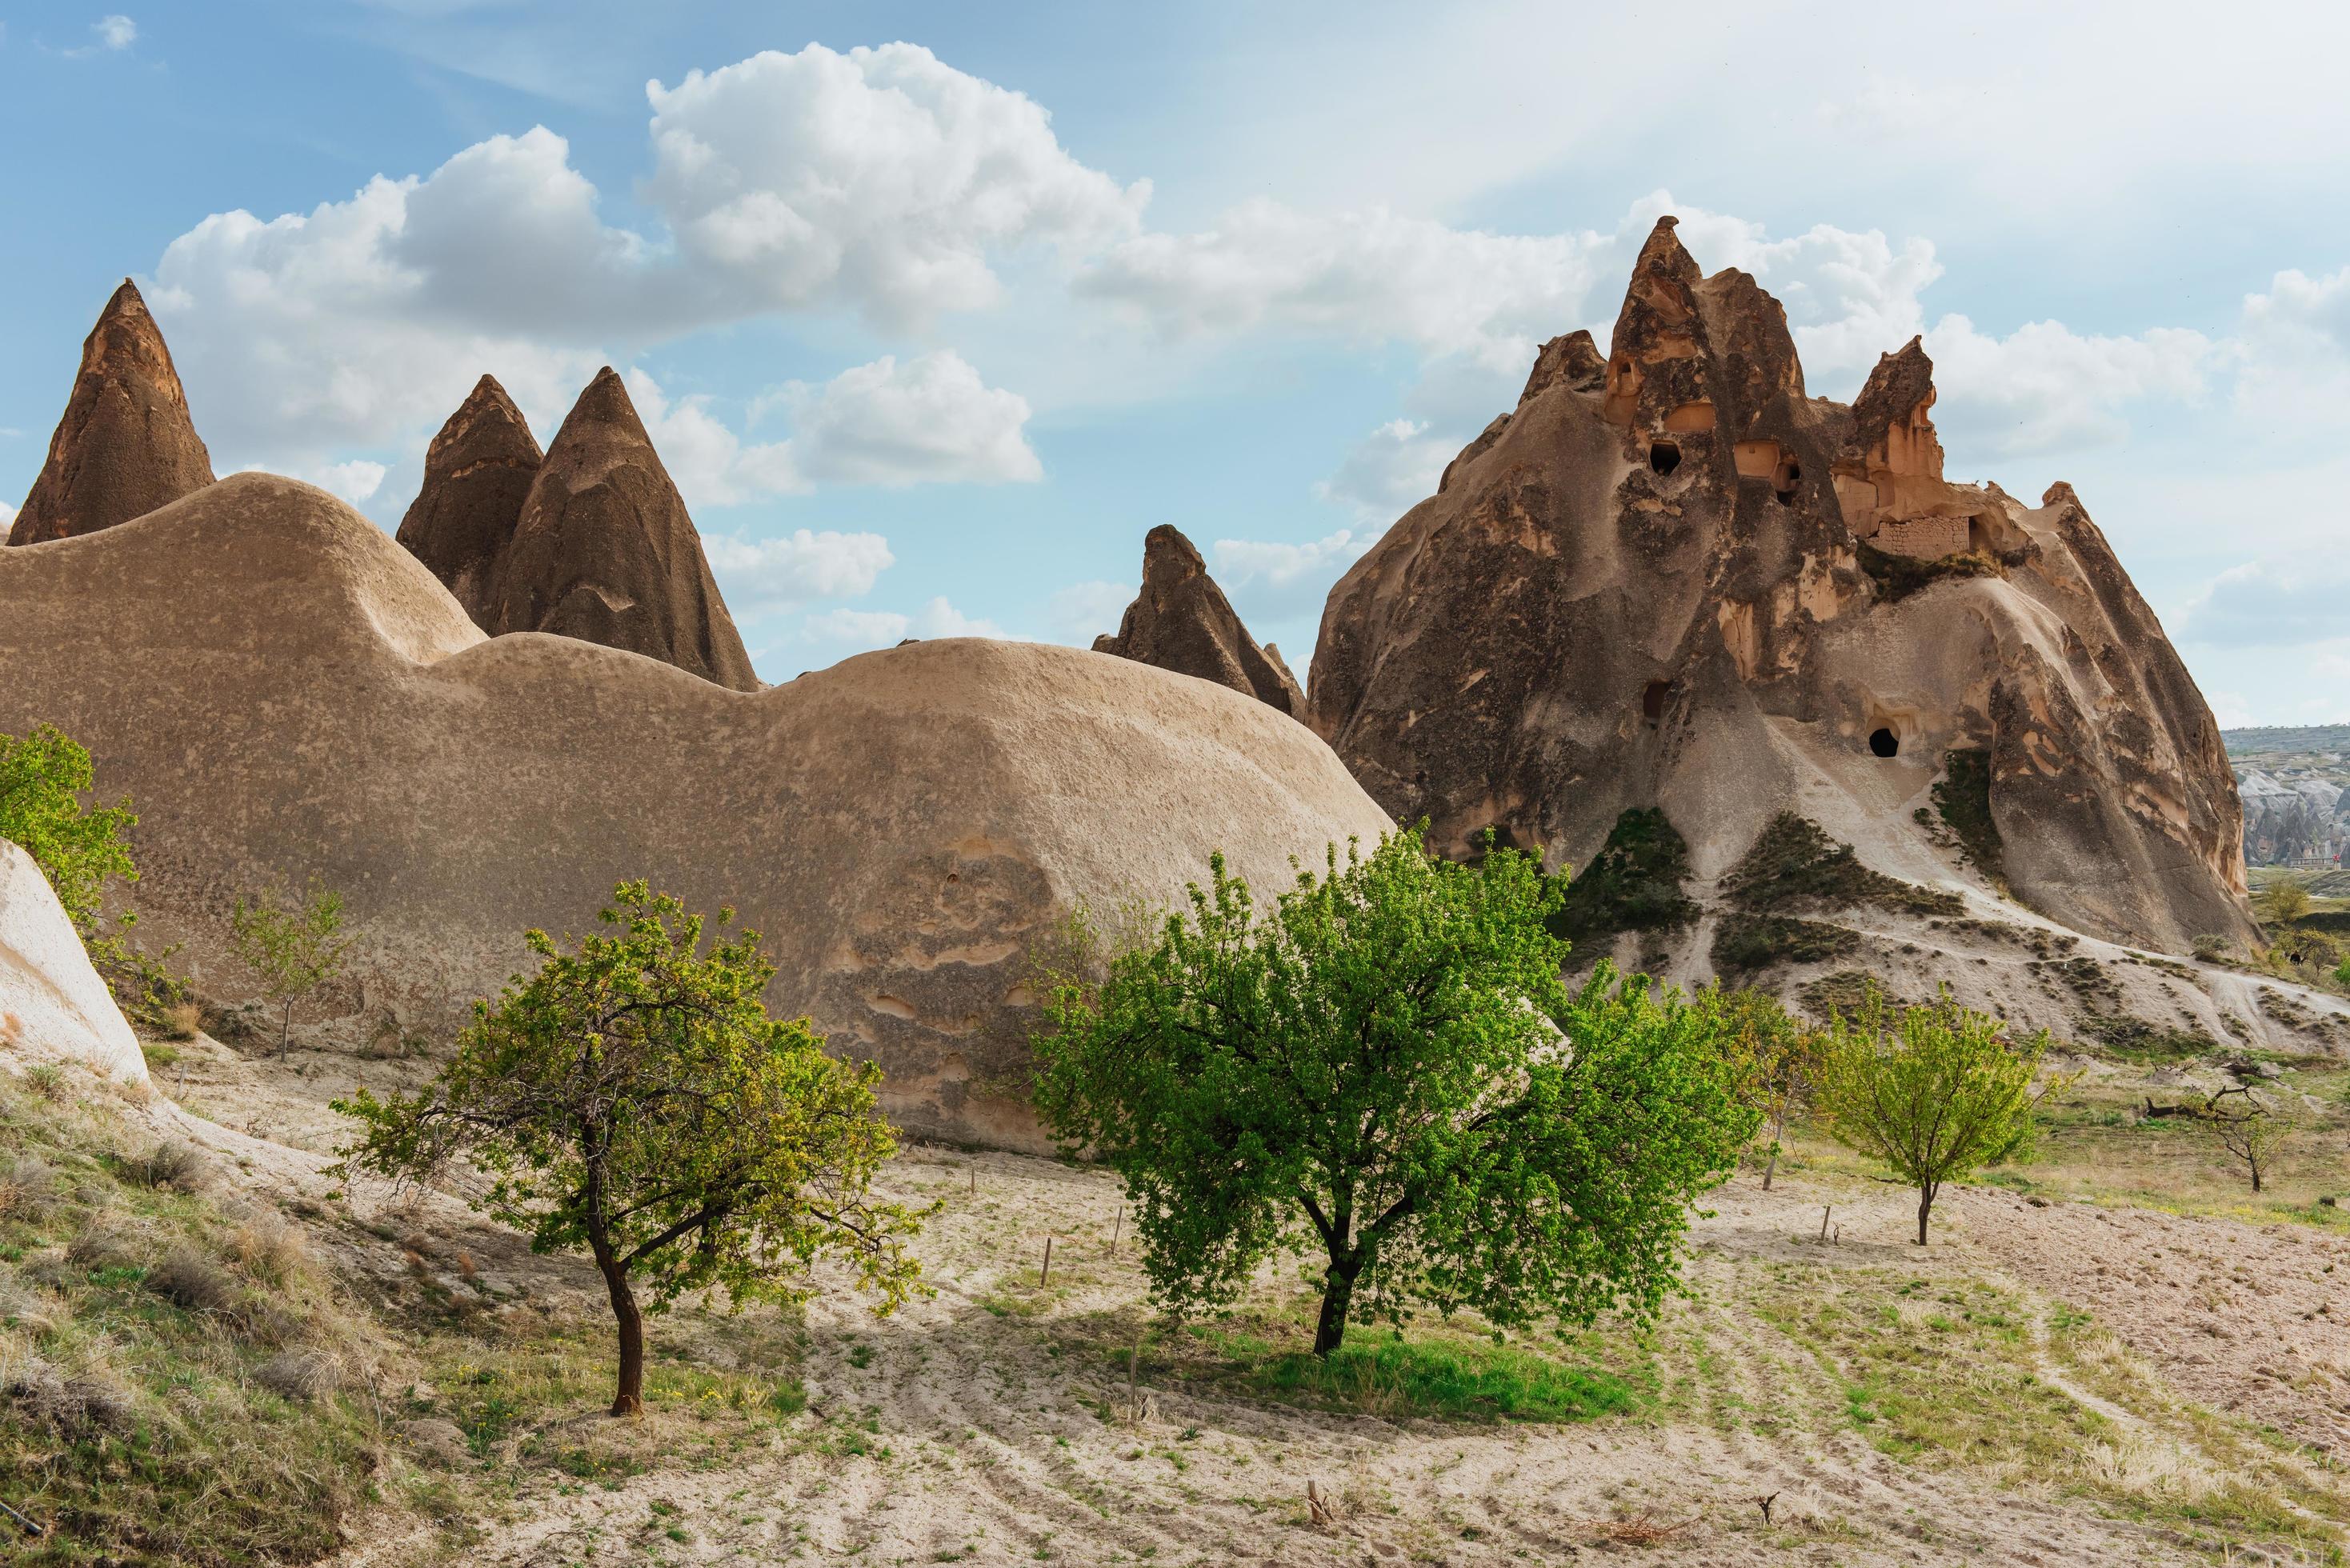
{"x": 1652, "y": 702}
{"x": 1664, "y": 456}
{"x": 1790, "y": 474}
{"x": 1883, "y": 743}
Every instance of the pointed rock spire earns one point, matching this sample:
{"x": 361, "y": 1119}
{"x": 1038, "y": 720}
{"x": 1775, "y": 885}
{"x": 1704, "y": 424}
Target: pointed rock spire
{"x": 1181, "y": 621}
{"x": 605, "y": 552}
{"x": 477, "y": 475}
{"x": 126, "y": 445}
{"x": 1573, "y": 360}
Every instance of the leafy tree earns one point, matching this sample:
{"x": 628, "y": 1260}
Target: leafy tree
{"x": 633, "y": 1098}
{"x": 2284, "y": 901}
{"x": 1774, "y": 1058}
{"x": 2253, "y": 1129}
{"x": 1933, "y": 1092}
{"x": 293, "y": 950}
{"x": 1373, "y": 1072}
{"x": 43, "y": 778}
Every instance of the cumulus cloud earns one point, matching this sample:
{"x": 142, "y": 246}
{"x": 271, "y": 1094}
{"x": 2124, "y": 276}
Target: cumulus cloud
{"x": 884, "y": 629}
{"x": 354, "y": 482}
{"x": 1390, "y": 472}
{"x": 115, "y": 32}
{"x": 2272, "y": 604}
{"x": 929, "y": 419}
{"x": 2043, "y": 386}
{"x": 795, "y": 568}
{"x": 882, "y": 177}
{"x": 713, "y": 466}
{"x": 7, "y": 516}
{"x": 2296, "y": 374}
{"x": 1273, "y": 580}
{"x": 882, "y": 181}
{"x": 1374, "y": 275}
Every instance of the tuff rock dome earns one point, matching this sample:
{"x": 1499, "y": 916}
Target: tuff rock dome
{"x": 1671, "y": 578}
{"x": 477, "y": 478}
{"x": 125, "y": 444}
{"x": 1181, "y": 621}
{"x": 605, "y": 552}
{"x": 901, "y": 827}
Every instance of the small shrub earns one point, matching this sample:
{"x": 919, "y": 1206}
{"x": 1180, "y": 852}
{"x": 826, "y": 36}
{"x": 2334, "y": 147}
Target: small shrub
{"x": 1898, "y": 576}
{"x": 74, "y": 1405}
{"x": 1962, "y": 798}
{"x": 176, "y": 1165}
{"x": 46, "y": 1080}
{"x": 1743, "y": 942}
{"x": 2212, "y": 948}
{"x": 303, "y": 1376}
{"x": 26, "y": 1187}
{"x": 192, "y": 1282}
{"x": 104, "y": 1244}
{"x": 269, "y": 1250}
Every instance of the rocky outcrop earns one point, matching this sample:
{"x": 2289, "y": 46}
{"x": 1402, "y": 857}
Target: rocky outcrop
{"x": 1685, "y": 582}
{"x": 901, "y": 827}
{"x": 1181, "y": 621}
{"x": 126, "y": 445}
{"x": 605, "y": 552}
{"x": 53, "y": 1005}
{"x": 477, "y": 477}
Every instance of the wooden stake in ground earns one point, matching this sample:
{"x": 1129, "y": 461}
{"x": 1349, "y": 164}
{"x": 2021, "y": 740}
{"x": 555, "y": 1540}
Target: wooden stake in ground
{"x": 1115, "y": 1230}
{"x": 1048, "y": 1274}
{"x": 1825, "y": 1209}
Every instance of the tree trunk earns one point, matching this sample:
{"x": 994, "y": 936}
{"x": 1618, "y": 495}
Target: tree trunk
{"x": 2256, "y": 1179}
{"x": 1771, "y": 1165}
{"x": 285, "y": 1030}
{"x": 630, "y": 1399}
{"x": 1337, "y": 1294}
{"x": 1925, "y": 1208}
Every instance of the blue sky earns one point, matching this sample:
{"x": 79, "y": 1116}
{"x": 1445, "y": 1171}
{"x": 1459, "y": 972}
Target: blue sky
{"x": 935, "y": 309}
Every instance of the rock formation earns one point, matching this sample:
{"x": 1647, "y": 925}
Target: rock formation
{"x": 1181, "y": 621}
{"x": 53, "y": 1005}
{"x": 900, "y": 826}
{"x": 125, "y": 445}
{"x": 1671, "y": 578}
{"x": 477, "y": 476}
{"x": 605, "y": 552}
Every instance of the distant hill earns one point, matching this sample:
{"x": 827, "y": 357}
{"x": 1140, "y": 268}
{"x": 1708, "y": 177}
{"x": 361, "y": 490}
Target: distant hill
{"x": 2289, "y": 739}
{"x": 2295, "y": 780}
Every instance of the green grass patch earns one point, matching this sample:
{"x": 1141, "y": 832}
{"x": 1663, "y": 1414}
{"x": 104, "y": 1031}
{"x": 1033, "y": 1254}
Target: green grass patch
{"x": 1633, "y": 884}
{"x": 1962, "y": 798}
{"x": 1448, "y": 1380}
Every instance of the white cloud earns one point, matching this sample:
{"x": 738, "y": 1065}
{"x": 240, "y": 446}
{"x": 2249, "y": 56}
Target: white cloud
{"x": 884, "y": 629}
{"x": 2295, "y": 379}
{"x": 882, "y": 180}
{"x": 881, "y": 177}
{"x": 116, "y": 32}
{"x": 2272, "y": 603}
{"x": 353, "y": 481}
{"x": 7, "y": 516}
{"x": 2045, "y": 387}
{"x": 710, "y": 462}
{"x": 1271, "y": 581}
{"x": 793, "y": 568}
{"x": 929, "y": 419}
{"x": 1388, "y": 471}
{"x": 1372, "y": 276}
{"x": 1086, "y": 610}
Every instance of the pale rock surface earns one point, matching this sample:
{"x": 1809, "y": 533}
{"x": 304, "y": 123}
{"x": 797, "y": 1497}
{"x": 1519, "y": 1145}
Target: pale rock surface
{"x": 1181, "y": 621}
{"x": 53, "y": 1005}
{"x": 125, "y": 444}
{"x": 1672, "y": 579}
{"x": 287, "y": 694}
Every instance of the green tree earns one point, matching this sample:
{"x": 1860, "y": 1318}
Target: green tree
{"x": 1774, "y": 1058}
{"x": 43, "y": 778}
{"x": 633, "y": 1098}
{"x": 295, "y": 951}
{"x": 1932, "y": 1092}
{"x": 2253, "y": 1129}
{"x": 2284, "y": 901}
{"x": 1374, "y": 1073}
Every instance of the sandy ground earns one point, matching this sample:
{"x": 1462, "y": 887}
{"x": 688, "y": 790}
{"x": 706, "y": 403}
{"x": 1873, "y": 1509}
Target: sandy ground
{"x": 992, "y": 1441}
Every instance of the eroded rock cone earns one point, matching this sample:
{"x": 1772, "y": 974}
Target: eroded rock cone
{"x": 477, "y": 476}
{"x": 1671, "y": 578}
{"x": 1181, "y": 621}
{"x": 126, "y": 445}
{"x": 605, "y": 552}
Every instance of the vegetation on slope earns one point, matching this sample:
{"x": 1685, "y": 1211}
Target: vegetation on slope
{"x": 1633, "y": 884}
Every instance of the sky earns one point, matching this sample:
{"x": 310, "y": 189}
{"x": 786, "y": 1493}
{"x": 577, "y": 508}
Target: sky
{"x": 934, "y": 310}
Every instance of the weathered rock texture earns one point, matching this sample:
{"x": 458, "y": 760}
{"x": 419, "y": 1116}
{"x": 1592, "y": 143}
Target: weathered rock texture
{"x": 1181, "y": 621}
{"x": 126, "y": 445}
{"x": 477, "y": 476}
{"x": 900, "y": 826}
{"x": 1672, "y": 579}
{"x": 53, "y": 1005}
{"x": 605, "y": 552}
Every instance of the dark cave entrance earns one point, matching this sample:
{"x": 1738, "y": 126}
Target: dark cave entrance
{"x": 1883, "y": 743}
{"x": 1652, "y": 702}
{"x": 1790, "y": 474}
{"x": 1664, "y": 456}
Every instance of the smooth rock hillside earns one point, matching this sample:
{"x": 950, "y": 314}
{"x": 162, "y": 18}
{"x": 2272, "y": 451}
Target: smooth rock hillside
{"x": 1181, "y": 621}
{"x": 286, "y": 694}
{"x": 477, "y": 478}
{"x": 126, "y": 445}
{"x": 605, "y": 552}
{"x": 53, "y": 1005}
{"x": 1671, "y": 578}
